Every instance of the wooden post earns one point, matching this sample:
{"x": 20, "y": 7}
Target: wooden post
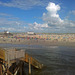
{"x": 21, "y": 68}
{"x": 29, "y": 67}
{"x": 0, "y": 69}
{"x": 23, "y": 72}
{"x": 8, "y": 61}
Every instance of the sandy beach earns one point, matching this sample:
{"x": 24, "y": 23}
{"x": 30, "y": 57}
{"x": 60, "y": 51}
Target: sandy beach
{"x": 40, "y": 39}
{"x": 36, "y": 42}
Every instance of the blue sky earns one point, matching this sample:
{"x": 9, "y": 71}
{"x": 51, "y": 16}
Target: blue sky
{"x": 49, "y": 16}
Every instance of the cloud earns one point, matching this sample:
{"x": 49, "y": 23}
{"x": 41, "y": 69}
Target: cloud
{"x": 11, "y": 23}
{"x": 4, "y": 14}
{"x": 9, "y": 29}
{"x": 52, "y": 17}
{"x": 73, "y": 12}
{"x": 37, "y": 26}
{"x": 12, "y": 29}
{"x": 24, "y": 4}
{"x": 53, "y": 20}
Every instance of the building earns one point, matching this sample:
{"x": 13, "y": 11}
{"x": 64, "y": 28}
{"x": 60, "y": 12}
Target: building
{"x": 31, "y": 33}
{"x": 7, "y": 33}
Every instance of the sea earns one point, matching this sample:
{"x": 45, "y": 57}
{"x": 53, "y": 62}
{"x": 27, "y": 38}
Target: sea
{"x": 56, "y": 60}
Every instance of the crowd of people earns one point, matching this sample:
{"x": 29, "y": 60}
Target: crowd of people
{"x": 51, "y": 37}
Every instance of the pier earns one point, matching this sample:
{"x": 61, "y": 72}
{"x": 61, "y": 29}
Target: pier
{"x": 12, "y": 61}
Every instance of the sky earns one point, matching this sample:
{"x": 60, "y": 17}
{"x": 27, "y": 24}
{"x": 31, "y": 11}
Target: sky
{"x": 41, "y": 16}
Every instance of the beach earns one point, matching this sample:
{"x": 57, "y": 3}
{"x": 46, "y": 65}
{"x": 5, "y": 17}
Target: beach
{"x": 55, "y": 52}
{"x": 39, "y": 39}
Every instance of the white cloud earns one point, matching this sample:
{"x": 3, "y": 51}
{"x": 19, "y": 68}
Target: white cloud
{"x": 73, "y": 12}
{"x": 24, "y": 4}
{"x": 4, "y": 14}
{"x": 53, "y": 20}
{"x": 8, "y": 22}
{"x": 51, "y": 17}
{"x": 9, "y": 29}
{"x": 37, "y": 26}
{"x": 52, "y": 9}
{"x": 12, "y": 29}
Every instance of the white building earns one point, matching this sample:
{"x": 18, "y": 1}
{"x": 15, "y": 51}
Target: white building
{"x": 7, "y": 32}
{"x": 30, "y": 33}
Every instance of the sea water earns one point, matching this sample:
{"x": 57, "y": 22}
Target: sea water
{"x": 57, "y": 60}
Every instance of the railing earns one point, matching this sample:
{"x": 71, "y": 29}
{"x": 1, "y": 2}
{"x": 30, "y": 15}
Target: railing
{"x": 33, "y": 61}
{"x": 27, "y": 58}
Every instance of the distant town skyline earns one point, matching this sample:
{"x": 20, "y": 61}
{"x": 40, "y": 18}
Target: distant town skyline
{"x": 44, "y": 16}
